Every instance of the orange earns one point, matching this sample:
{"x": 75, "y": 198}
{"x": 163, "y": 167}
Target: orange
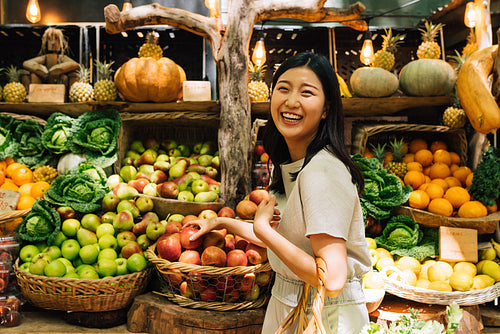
{"x": 440, "y": 206}
{"x": 427, "y": 170}
{"x": 434, "y": 190}
{"x": 419, "y": 199}
{"x": 22, "y": 175}
{"x": 472, "y": 209}
{"x": 455, "y": 158}
{"x": 427, "y": 179}
{"x": 439, "y": 170}
{"x": 453, "y": 167}
{"x": 457, "y": 196}
{"x": 410, "y": 157}
{"x": 468, "y": 180}
{"x": 25, "y": 202}
{"x": 425, "y": 157}
{"x": 3, "y": 165}
{"x": 9, "y": 185}
{"x": 461, "y": 173}
{"x": 39, "y": 189}
{"x": 438, "y": 145}
{"x": 423, "y": 186}
{"x": 388, "y": 158}
{"x": 492, "y": 208}
{"x": 368, "y": 153}
{"x": 11, "y": 168}
{"x": 414, "y": 178}
{"x": 417, "y": 144}
{"x": 2, "y": 178}
{"x": 25, "y": 189}
{"x": 442, "y": 156}
{"x": 442, "y": 183}
{"x": 453, "y": 181}
{"x": 9, "y": 160}
{"x": 415, "y": 166}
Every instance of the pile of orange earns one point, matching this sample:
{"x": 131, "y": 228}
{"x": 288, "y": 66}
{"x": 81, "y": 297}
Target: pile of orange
{"x": 15, "y": 176}
{"x": 440, "y": 182}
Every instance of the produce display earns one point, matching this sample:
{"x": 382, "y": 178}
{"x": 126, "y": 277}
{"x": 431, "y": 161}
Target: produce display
{"x": 384, "y": 58}
{"x": 14, "y": 91}
{"x": 82, "y": 90}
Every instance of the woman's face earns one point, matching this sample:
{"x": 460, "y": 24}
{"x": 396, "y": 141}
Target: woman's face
{"x": 297, "y": 107}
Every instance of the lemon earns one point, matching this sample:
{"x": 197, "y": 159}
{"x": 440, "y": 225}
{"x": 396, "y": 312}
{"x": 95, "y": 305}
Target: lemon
{"x": 461, "y": 281}
{"x": 479, "y": 266}
{"x": 382, "y": 252}
{"x": 422, "y": 283}
{"x": 384, "y": 262}
{"x": 373, "y": 257}
{"x": 439, "y": 271}
{"x": 373, "y": 280}
{"x": 440, "y": 286}
{"x": 481, "y": 282}
{"x": 408, "y": 262}
{"x": 406, "y": 276}
{"x": 487, "y": 254}
{"x": 467, "y": 267}
{"x": 492, "y": 269}
{"x": 372, "y": 244}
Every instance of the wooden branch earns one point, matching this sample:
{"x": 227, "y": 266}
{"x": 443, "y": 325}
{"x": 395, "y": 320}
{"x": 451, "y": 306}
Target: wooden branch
{"x": 156, "y": 14}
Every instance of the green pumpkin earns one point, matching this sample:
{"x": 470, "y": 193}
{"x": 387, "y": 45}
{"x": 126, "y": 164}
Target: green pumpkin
{"x": 427, "y": 77}
{"x": 373, "y": 82}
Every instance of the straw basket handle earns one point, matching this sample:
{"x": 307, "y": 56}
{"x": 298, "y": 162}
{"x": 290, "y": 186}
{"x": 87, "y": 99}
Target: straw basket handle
{"x": 315, "y": 324}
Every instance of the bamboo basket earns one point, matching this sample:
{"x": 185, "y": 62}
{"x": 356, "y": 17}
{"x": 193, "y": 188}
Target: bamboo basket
{"x": 165, "y": 268}
{"x": 81, "y": 295}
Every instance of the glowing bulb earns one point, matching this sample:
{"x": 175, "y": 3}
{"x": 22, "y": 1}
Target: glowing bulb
{"x": 259, "y": 53}
{"x": 366, "y": 55}
{"x": 33, "y": 13}
{"x": 213, "y": 7}
{"x": 470, "y": 17}
{"x": 127, "y": 5}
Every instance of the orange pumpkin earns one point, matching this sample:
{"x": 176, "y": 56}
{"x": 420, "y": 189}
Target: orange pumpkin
{"x": 147, "y": 79}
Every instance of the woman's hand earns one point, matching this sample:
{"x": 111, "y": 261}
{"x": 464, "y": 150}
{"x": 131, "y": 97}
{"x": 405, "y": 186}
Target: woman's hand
{"x": 266, "y": 216}
{"x": 205, "y": 225}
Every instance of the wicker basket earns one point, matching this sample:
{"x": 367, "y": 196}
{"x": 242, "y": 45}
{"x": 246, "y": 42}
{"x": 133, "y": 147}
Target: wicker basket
{"x": 82, "y": 295}
{"x": 366, "y": 134}
{"x": 170, "y": 291}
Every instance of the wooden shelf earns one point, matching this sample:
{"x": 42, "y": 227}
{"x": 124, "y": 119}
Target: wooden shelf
{"x": 353, "y": 107}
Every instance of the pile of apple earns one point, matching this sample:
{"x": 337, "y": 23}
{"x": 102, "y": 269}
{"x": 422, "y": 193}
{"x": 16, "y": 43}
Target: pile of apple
{"x": 216, "y": 248}
{"x": 10, "y": 315}
{"x": 170, "y": 170}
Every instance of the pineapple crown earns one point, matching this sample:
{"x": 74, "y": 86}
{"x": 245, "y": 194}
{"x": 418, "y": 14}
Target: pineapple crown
{"x": 430, "y": 31}
{"x": 104, "y": 69}
{"x": 391, "y": 42}
{"x": 397, "y": 149}
{"x": 379, "y": 152}
{"x": 13, "y": 73}
{"x": 83, "y": 74}
{"x": 458, "y": 60}
{"x": 256, "y": 72}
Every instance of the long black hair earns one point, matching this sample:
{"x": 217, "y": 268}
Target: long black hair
{"x": 330, "y": 133}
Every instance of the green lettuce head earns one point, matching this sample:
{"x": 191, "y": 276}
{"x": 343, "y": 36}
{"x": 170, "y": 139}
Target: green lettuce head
{"x": 56, "y": 133}
{"x": 41, "y": 224}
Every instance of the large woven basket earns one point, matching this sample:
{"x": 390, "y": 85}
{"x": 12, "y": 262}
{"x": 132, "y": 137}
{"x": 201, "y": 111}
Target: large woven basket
{"x": 364, "y": 134}
{"x": 81, "y": 295}
{"x": 164, "y": 268}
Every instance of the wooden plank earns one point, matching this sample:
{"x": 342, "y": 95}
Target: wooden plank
{"x": 490, "y": 316}
{"x": 457, "y": 244}
{"x": 53, "y": 93}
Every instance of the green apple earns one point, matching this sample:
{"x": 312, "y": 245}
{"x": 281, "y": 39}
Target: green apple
{"x": 121, "y": 266}
{"x": 108, "y": 241}
{"x": 136, "y": 262}
{"x": 90, "y": 221}
{"x": 70, "y": 226}
{"x": 176, "y": 217}
{"x": 28, "y": 252}
{"x": 107, "y": 218}
{"x": 70, "y": 249}
{"x": 41, "y": 246}
{"x": 53, "y": 251}
{"x": 186, "y": 196}
{"x": 88, "y": 273}
{"x": 36, "y": 267}
{"x": 55, "y": 269}
{"x": 58, "y": 240}
{"x": 86, "y": 237}
{"x": 88, "y": 254}
{"x": 72, "y": 274}
{"x": 105, "y": 228}
{"x": 25, "y": 267}
{"x": 82, "y": 267}
{"x": 107, "y": 253}
{"x": 67, "y": 263}
{"x": 198, "y": 186}
{"x": 106, "y": 267}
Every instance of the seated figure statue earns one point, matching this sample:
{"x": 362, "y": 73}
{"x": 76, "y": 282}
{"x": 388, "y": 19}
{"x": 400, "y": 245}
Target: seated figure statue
{"x": 52, "y": 65}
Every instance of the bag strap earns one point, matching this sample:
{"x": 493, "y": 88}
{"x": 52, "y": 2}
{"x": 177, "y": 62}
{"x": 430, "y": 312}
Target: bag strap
{"x": 300, "y": 311}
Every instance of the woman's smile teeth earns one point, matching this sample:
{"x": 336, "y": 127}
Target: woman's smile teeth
{"x": 291, "y": 117}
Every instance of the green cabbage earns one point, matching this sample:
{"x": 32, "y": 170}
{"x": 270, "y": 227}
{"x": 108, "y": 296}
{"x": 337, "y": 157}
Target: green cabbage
{"x": 26, "y": 145}
{"x": 55, "y": 136}
{"x": 97, "y": 173}
{"x": 41, "y": 224}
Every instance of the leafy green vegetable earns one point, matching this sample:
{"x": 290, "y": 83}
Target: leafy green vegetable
{"x": 41, "y": 224}
{"x": 96, "y": 172}
{"x": 55, "y": 136}
{"x": 5, "y": 134}
{"x": 79, "y": 191}
{"x": 26, "y": 144}
{"x": 96, "y": 134}
{"x": 485, "y": 185}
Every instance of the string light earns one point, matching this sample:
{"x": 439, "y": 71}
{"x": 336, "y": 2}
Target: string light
{"x": 259, "y": 52}
{"x": 213, "y": 7}
{"x": 33, "y": 13}
{"x": 366, "y": 56}
{"x": 127, "y": 5}
{"x": 470, "y": 17}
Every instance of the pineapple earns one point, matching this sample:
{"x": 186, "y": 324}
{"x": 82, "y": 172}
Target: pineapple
{"x": 257, "y": 88}
{"x": 1, "y": 93}
{"x": 379, "y": 152}
{"x": 104, "y": 88}
{"x": 454, "y": 117}
{"x": 44, "y": 173}
{"x": 151, "y": 47}
{"x": 385, "y": 58}
{"x": 429, "y": 49}
{"x": 82, "y": 91}
{"x": 397, "y": 166}
{"x": 471, "y": 45}
{"x": 14, "y": 91}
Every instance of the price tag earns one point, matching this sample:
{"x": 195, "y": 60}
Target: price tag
{"x": 46, "y": 93}
{"x": 8, "y": 200}
{"x": 457, "y": 244}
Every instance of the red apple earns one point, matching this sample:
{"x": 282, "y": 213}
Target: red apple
{"x": 236, "y": 257}
{"x": 226, "y": 212}
{"x": 190, "y": 256}
{"x": 229, "y": 244}
{"x": 138, "y": 184}
{"x": 174, "y": 277}
{"x": 172, "y": 227}
{"x": 214, "y": 238}
{"x": 197, "y": 281}
{"x": 245, "y": 282}
{"x": 264, "y": 277}
{"x": 246, "y": 209}
{"x": 131, "y": 248}
{"x": 258, "y": 195}
{"x": 209, "y": 294}
{"x": 241, "y": 243}
{"x": 169, "y": 246}
{"x": 231, "y": 296}
{"x": 188, "y": 218}
{"x": 186, "y": 233}
{"x": 224, "y": 284}
{"x": 186, "y": 290}
{"x": 259, "y": 150}
{"x": 213, "y": 256}
{"x": 207, "y": 214}
{"x": 256, "y": 254}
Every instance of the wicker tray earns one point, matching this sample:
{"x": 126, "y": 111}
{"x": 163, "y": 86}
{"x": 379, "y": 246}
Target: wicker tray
{"x": 81, "y": 295}
{"x": 363, "y": 134}
{"x": 483, "y": 225}
{"x": 163, "y": 266}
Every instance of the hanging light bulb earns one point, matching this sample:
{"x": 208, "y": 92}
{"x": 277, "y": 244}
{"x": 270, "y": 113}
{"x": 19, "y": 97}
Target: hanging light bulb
{"x": 33, "y": 13}
{"x": 259, "y": 52}
{"x": 366, "y": 55}
{"x": 213, "y": 7}
{"x": 470, "y": 17}
{"x": 127, "y": 5}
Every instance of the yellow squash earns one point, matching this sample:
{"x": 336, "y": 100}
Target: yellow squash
{"x": 474, "y": 90}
